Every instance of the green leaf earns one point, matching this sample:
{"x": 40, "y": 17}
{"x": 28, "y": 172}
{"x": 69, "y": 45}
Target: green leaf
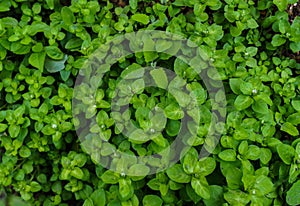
{"x": 138, "y": 170}
{"x": 125, "y": 188}
{"x": 48, "y": 130}
{"x": 141, "y": 18}
{"x": 228, "y": 155}
{"x": 260, "y": 106}
{"x": 293, "y": 194}
{"x": 263, "y": 185}
{"x": 73, "y": 43}
{"x": 253, "y": 152}
{"x": 201, "y": 187}
{"x": 281, "y": 4}
{"x": 251, "y": 51}
{"x": 295, "y": 46}
{"x": 192, "y": 194}
{"x": 57, "y": 187}
{"x": 152, "y": 200}
{"x": 77, "y": 173}
{"x": 246, "y": 88}
{"x": 265, "y": 155}
{"x": 35, "y": 186}
{"x": 110, "y": 177}
{"x": 67, "y": 16}
{"x": 189, "y": 161}
{"x": 99, "y": 197}
{"x": 160, "y": 78}
{"x": 177, "y": 174}
{"x": 134, "y": 71}
{"x": 278, "y": 40}
{"x": 243, "y": 102}
{"x": 138, "y": 86}
{"x": 296, "y": 105}
{"x": 174, "y": 112}
{"x": 24, "y": 152}
{"x": 289, "y": 128}
{"x": 294, "y": 118}
{"x": 235, "y": 85}
{"x": 37, "y": 60}
{"x": 18, "y": 48}
{"x": 5, "y": 5}
{"x": 284, "y": 26}
{"x": 173, "y": 127}
{"x": 286, "y": 153}
{"x": 3, "y": 127}
{"x": 54, "y": 52}
{"x": 237, "y": 197}
{"x": 14, "y": 130}
{"x": 50, "y": 3}
{"x": 133, "y": 4}
{"x": 88, "y": 202}
{"x": 205, "y": 166}
{"x": 251, "y": 23}
{"x": 53, "y": 66}
{"x": 163, "y": 45}
{"x": 216, "y": 196}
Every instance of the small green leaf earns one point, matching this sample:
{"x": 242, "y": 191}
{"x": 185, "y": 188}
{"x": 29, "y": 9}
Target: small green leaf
{"x": 77, "y": 173}
{"x": 206, "y": 166}
{"x": 294, "y": 118}
{"x": 5, "y": 5}
{"x": 134, "y": 71}
{"x": 177, "y": 174}
{"x": 109, "y": 177}
{"x": 14, "y": 130}
{"x": 173, "y": 127}
{"x": 138, "y": 170}
{"x": 286, "y": 153}
{"x": 163, "y": 45}
{"x": 201, "y": 187}
{"x": 293, "y": 194}
{"x": 216, "y": 196}
{"x": 263, "y": 185}
{"x": 24, "y": 152}
{"x": 289, "y": 128}
{"x": 99, "y": 197}
{"x": 174, "y": 112}
{"x": 142, "y": 18}
{"x": 228, "y": 155}
{"x": 152, "y": 200}
{"x": 133, "y": 4}
{"x": 53, "y": 66}
{"x": 67, "y": 16}
{"x": 54, "y": 52}
{"x": 88, "y": 202}
{"x": 281, "y": 4}
{"x": 125, "y": 188}
{"x": 296, "y": 105}
{"x": 235, "y": 85}
{"x": 252, "y": 24}
{"x": 160, "y": 78}
{"x": 253, "y": 152}
{"x": 278, "y": 40}
{"x": 35, "y": 186}
{"x": 265, "y": 155}
{"x": 260, "y": 106}
{"x": 243, "y": 102}
{"x": 237, "y": 197}
{"x": 3, "y": 127}
{"x": 37, "y": 60}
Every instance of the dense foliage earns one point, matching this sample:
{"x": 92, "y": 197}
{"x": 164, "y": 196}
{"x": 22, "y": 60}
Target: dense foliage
{"x": 254, "y": 46}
